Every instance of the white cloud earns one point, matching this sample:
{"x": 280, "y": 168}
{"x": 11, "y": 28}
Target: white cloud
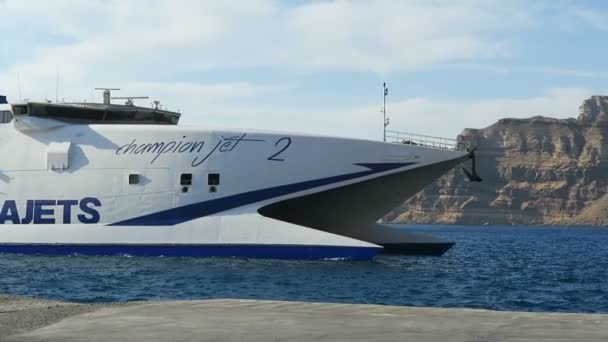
{"x": 449, "y": 117}
{"x": 430, "y": 116}
{"x": 580, "y": 73}
{"x": 596, "y": 18}
{"x": 422, "y": 115}
{"x": 129, "y": 44}
{"x": 121, "y": 40}
{"x": 141, "y": 46}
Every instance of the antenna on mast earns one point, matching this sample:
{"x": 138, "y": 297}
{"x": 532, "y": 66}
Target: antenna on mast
{"x": 19, "y": 85}
{"x": 107, "y": 94}
{"x": 57, "y": 89}
{"x": 386, "y": 120}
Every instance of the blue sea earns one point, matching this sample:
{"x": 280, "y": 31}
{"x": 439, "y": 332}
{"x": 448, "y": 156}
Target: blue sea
{"x": 501, "y": 268}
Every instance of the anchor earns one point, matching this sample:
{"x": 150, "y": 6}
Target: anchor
{"x": 472, "y": 175}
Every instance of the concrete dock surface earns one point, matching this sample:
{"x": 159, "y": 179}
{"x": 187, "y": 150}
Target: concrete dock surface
{"x": 253, "y": 320}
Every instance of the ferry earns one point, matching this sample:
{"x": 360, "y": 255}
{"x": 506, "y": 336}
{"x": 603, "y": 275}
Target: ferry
{"x": 121, "y": 179}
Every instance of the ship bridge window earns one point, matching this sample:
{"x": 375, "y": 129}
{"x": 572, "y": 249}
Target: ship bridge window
{"x": 5, "y": 116}
{"x": 20, "y": 110}
{"x": 97, "y": 113}
{"x": 108, "y": 114}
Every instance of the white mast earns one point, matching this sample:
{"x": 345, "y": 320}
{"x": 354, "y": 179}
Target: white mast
{"x": 386, "y": 121}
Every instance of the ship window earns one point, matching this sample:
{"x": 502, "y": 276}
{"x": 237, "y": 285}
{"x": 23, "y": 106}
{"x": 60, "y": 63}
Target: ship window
{"x": 133, "y": 179}
{"x": 5, "y": 116}
{"x": 98, "y": 113}
{"x": 20, "y": 110}
{"x": 213, "y": 179}
{"x": 186, "y": 179}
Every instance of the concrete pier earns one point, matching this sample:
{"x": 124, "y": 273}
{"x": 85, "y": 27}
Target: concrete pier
{"x": 251, "y": 320}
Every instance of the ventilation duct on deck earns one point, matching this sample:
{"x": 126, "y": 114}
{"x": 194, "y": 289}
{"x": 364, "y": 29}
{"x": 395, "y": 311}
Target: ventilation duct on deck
{"x": 58, "y": 155}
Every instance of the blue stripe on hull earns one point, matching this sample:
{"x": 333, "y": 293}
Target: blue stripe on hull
{"x": 240, "y": 251}
{"x": 190, "y": 212}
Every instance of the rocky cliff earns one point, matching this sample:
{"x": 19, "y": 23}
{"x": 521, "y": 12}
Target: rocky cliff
{"x": 536, "y": 171}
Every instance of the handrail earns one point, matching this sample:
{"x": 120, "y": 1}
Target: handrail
{"x": 425, "y": 141}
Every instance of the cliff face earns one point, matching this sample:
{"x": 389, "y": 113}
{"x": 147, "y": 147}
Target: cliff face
{"x": 535, "y": 171}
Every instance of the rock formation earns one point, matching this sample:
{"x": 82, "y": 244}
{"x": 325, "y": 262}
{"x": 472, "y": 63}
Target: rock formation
{"x": 536, "y": 171}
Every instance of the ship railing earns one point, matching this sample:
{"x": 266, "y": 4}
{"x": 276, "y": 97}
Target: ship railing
{"x": 425, "y": 141}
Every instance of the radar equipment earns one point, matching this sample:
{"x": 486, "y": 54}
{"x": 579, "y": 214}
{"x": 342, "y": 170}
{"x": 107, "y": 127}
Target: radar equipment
{"x": 107, "y": 94}
{"x": 130, "y": 99}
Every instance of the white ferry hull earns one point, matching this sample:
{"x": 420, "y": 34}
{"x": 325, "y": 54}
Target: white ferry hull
{"x": 245, "y": 235}
{"x": 69, "y": 189}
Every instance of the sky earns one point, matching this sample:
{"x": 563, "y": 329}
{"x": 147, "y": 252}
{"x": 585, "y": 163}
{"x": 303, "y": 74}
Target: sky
{"x": 313, "y": 66}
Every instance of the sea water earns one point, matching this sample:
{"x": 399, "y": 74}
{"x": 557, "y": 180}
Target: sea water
{"x": 502, "y": 268}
